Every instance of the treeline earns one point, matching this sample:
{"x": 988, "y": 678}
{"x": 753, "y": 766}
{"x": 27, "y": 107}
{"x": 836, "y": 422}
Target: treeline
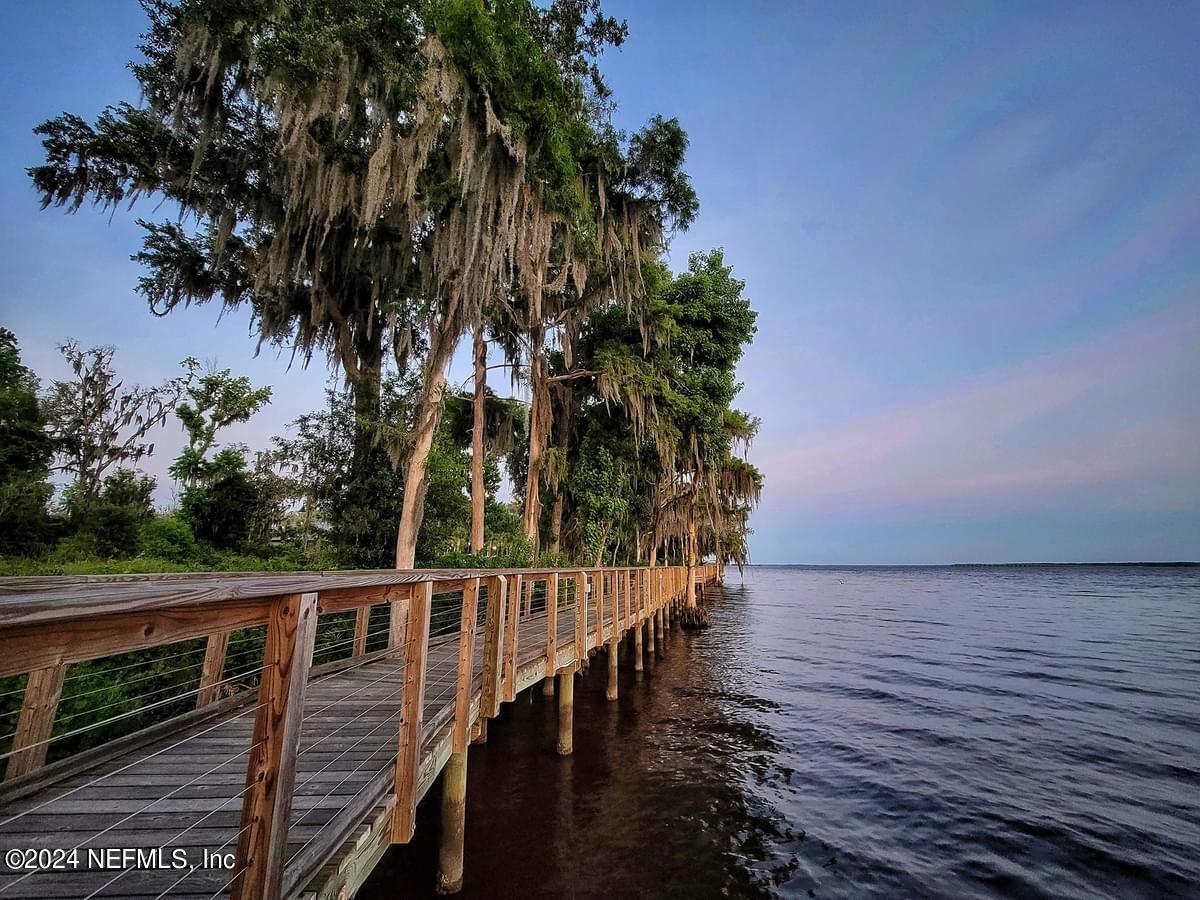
{"x": 380, "y": 184}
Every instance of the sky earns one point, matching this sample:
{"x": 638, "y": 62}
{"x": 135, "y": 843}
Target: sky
{"x": 971, "y": 232}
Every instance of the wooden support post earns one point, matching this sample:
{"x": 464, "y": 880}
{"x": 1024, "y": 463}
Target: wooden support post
{"x": 35, "y": 725}
{"x": 611, "y": 692}
{"x": 566, "y": 710}
{"x": 659, "y": 618}
{"x": 493, "y": 647}
{"x": 581, "y": 648}
{"x": 479, "y": 731}
{"x": 454, "y": 824}
{"x": 362, "y": 619}
{"x": 650, "y": 620}
{"x": 638, "y": 663}
{"x": 412, "y": 700}
{"x": 466, "y": 659}
{"x": 511, "y": 634}
{"x": 271, "y": 769}
{"x": 213, "y": 669}
{"x": 551, "y": 632}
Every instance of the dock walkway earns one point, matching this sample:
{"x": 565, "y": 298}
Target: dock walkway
{"x": 308, "y": 748}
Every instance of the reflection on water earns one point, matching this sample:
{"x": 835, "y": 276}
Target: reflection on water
{"x": 987, "y": 731}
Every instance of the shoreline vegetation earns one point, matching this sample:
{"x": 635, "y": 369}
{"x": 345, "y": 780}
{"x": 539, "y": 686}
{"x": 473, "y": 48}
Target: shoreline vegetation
{"x": 382, "y": 187}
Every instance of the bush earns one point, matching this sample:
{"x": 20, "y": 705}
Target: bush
{"x": 220, "y": 513}
{"x": 169, "y": 538}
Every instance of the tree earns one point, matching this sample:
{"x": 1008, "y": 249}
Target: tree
{"x": 369, "y": 176}
{"x": 643, "y": 423}
{"x": 108, "y": 524}
{"x": 221, "y": 509}
{"x": 214, "y": 401}
{"x": 97, "y": 423}
{"x": 25, "y": 454}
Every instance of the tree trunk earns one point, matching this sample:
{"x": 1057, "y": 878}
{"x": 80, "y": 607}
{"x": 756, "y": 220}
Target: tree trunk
{"x": 429, "y": 413}
{"x": 691, "y": 557}
{"x": 538, "y": 422}
{"x": 366, "y": 389}
{"x": 478, "y": 490}
{"x": 556, "y": 522}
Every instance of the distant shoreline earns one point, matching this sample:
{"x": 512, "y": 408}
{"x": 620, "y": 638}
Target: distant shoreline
{"x": 1009, "y": 565}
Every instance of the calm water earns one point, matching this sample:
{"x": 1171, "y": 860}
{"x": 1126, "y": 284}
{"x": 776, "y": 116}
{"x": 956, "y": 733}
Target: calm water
{"x": 990, "y": 731}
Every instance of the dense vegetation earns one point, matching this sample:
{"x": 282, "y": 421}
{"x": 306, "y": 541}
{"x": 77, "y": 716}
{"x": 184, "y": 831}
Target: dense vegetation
{"x": 376, "y": 181}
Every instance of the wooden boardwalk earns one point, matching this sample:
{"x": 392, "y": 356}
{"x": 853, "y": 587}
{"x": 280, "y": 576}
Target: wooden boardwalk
{"x": 183, "y": 787}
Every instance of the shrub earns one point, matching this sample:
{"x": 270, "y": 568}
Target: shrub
{"x": 169, "y": 538}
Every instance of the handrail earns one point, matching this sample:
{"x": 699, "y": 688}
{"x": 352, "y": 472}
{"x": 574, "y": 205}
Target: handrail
{"x": 48, "y": 624}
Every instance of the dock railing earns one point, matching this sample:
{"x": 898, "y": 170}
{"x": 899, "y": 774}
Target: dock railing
{"x": 337, "y": 694}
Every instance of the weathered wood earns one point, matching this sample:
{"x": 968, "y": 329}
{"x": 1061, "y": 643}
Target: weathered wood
{"x": 512, "y": 627}
{"x": 362, "y": 621}
{"x": 30, "y": 647}
{"x": 551, "y": 626}
{"x": 598, "y": 600}
{"x": 332, "y": 775}
{"x": 581, "y": 606}
{"x": 638, "y": 655}
{"x": 213, "y": 669}
{"x": 493, "y": 646}
{"x": 271, "y": 772}
{"x": 610, "y": 692}
{"x": 466, "y": 655}
{"x": 566, "y": 711}
{"x": 35, "y": 725}
{"x": 408, "y": 755}
{"x": 398, "y": 619}
{"x": 454, "y": 814}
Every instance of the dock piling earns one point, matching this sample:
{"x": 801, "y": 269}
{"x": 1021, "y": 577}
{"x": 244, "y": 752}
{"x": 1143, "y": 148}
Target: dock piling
{"x": 611, "y": 693}
{"x": 454, "y": 815}
{"x": 566, "y": 711}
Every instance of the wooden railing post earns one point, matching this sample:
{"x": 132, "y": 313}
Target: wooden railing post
{"x": 598, "y": 599}
{"x": 271, "y": 770}
{"x": 466, "y": 660}
{"x": 213, "y": 670}
{"x": 551, "y": 631}
{"x": 512, "y": 629}
{"x": 493, "y": 646}
{"x": 35, "y": 725}
{"x": 581, "y": 650}
{"x": 362, "y": 619}
{"x": 412, "y": 701}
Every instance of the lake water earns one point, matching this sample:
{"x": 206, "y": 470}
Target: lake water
{"x": 849, "y": 732}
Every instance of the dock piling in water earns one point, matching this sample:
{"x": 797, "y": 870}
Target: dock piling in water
{"x": 454, "y": 816}
{"x": 613, "y": 647}
{"x": 566, "y": 711}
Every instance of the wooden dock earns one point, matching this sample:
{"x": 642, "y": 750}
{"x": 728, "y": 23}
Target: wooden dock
{"x": 325, "y": 706}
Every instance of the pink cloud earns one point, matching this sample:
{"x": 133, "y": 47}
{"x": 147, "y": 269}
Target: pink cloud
{"x": 973, "y": 442}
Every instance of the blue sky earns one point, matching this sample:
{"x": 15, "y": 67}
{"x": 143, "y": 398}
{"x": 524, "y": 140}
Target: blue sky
{"x": 972, "y": 232}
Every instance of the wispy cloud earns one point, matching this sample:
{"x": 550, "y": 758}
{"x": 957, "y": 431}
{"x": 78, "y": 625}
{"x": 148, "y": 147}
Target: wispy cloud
{"x": 985, "y": 440}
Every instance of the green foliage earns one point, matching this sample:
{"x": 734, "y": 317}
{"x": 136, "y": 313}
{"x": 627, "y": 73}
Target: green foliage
{"x": 220, "y": 511}
{"x": 214, "y": 401}
{"x": 25, "y": 452}
{"x": 169, "y": 538}
{"x": 108, "y": 525}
